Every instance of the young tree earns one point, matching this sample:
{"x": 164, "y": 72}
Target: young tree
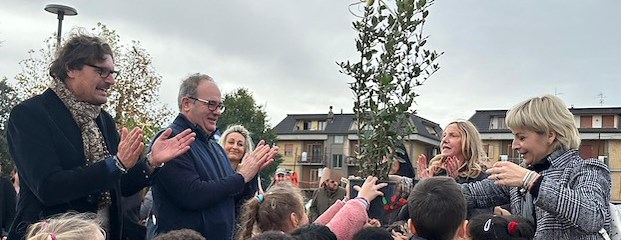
{"x": 242, "y": 109}
{"x": 8, "y": 99}
{"x": 133, "y": 100}
{"x": 392, "y": 61}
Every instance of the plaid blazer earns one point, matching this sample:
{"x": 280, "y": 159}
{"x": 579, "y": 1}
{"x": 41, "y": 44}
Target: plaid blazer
{"x": 572, "y": 202}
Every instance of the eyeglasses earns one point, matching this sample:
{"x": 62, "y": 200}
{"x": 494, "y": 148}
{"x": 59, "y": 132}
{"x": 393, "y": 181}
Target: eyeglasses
{"x": 211, "y": 105}
{"x": 103, "y": 72}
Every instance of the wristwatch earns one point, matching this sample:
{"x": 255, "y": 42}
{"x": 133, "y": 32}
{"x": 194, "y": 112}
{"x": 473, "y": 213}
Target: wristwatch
{"x": 119, "y": 165}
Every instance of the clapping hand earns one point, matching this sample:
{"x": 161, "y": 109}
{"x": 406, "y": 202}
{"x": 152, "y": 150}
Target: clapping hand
{"x": 451, "y": 165}
{"x": 165, "y": 149}
{"x": 257, "y": 160}
{"x": 130, "y": 147}
{"x": 423, "y": 171}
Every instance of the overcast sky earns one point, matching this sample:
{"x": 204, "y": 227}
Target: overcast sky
{"x": 496, "y": 53}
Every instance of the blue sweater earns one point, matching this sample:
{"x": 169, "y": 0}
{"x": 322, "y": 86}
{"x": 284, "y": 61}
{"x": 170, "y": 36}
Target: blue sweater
{"x": 199, "y": 189}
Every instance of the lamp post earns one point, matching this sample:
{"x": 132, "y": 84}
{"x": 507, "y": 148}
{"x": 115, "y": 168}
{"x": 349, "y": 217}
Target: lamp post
{"x": 61, "y": 11}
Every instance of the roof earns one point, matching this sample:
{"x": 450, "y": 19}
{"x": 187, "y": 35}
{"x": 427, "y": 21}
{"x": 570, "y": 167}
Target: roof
{"x": 481, "y": 118}
{"x": 341, "y": 124}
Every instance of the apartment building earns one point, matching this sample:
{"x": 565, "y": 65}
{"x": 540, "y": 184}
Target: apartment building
{"x": 310, "y": 142}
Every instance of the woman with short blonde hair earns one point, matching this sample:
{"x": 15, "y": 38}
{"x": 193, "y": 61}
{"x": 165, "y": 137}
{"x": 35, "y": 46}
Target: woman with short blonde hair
{"x": 566, "y": 195}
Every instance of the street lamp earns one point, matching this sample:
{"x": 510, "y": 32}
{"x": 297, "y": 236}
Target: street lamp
{"x": 60, "y": 11}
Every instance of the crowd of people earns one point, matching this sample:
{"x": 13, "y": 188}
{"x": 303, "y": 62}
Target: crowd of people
{"x": 75, "y": 165}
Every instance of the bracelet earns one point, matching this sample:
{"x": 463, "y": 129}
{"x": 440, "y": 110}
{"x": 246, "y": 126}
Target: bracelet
{"x": 363, "y": 201}
{"x": 529, "y": 179}
{"x": 149, "y": 162}
{"x": 119, "y": 165}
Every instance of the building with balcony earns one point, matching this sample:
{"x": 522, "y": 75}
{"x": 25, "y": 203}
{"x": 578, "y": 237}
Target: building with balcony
{"x": 599, "y": 130}
{"x": 310, "y": 142}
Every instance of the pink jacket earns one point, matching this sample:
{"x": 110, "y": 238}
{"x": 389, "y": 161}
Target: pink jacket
{"x": 344, "y": 219}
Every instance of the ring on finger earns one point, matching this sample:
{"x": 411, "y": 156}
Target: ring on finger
{"x": 497, "y": 177}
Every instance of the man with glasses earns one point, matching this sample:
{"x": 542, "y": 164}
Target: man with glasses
{"x": 200, "y": 189}
{"x": 67, "y": 150}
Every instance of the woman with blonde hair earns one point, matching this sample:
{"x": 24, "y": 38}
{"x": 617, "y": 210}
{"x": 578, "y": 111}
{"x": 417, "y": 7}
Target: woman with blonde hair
{"x": 565, "y": 195}
{"x": 236, "y": 141}
{"x": 68, "y": 226}
{"x": 462, "y": 154}
{"x": 461, "y": 158}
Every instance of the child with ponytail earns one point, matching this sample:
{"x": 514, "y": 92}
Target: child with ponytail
{"x": 282, "y": 209}
{"x": 505, "y": 227}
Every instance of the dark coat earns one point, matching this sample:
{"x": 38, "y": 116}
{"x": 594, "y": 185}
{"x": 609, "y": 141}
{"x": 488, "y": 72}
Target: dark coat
{"x": 46, "y": 145}
{"x": 199, "y": 189}
{"x": 7, "y": 205}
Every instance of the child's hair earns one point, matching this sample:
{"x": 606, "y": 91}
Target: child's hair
{"x": 313, "y": 232}
{"x": 67, "y": 226}
{"x": 373, "y": 233}
{"x": 437, "y": 208}
{"x": 272, "y": 235}
{"x": 271, "y": 211}
{"x": 488, "y": 226}
{"x": 180, "y": 234}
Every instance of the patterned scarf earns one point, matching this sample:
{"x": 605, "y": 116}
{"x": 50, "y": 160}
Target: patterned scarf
{"x": 95, "y": 148}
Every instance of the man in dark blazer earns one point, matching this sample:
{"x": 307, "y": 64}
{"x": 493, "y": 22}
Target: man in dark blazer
{"x": 67, "y": 150}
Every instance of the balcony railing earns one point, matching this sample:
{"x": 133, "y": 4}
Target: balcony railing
{"x": 312, "y": 159}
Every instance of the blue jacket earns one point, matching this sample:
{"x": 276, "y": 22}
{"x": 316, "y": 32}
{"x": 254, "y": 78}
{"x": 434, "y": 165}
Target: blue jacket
{"x": 199, "y": 189}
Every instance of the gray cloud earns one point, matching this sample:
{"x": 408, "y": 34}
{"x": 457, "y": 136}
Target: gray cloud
{"x": 497, "y": 53}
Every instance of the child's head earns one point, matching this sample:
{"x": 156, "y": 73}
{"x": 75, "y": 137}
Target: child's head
{"x": 437, "y": 209}
{"x": 272, "y": 235}
{"x": 313, "y": 232}
{"x": 180, "y": 234}
{"x": 280, "y": 209}
{"x": 68, "y": 226}
{"x": 373, "y": 233}
{"x": 488, "y": 226}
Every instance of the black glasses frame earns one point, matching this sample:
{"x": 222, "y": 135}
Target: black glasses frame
{"x": 103, "y": 72}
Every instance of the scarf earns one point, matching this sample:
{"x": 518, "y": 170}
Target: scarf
{"x": 95, "y": 148}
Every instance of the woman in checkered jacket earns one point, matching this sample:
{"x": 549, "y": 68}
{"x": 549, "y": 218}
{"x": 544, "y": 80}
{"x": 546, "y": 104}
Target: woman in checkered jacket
{"x": 565, "y": 195}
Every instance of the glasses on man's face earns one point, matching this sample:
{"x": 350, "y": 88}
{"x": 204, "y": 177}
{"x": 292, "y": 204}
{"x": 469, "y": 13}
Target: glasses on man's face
{"x": 103, "y": 72}
{"x": 211, "y": 105}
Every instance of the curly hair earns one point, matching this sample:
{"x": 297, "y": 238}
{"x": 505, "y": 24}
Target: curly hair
{"x": 79, "y": 50}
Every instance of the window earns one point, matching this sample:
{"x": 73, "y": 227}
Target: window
{"x": 338, "y": 139}
{"x": 608, "y": 121}
{"x": 322, "y": 125}
{"x": 586, "y": 121}
{"x": 307, "y": 125}
{"x": 288, "y": 150}
{"x": 314, "y": 175}
{"x": 489, "y": 150}
{"x": 497, "y": 123}
{"x": 337, "y": 160}
{"x": 431, "y": 130}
